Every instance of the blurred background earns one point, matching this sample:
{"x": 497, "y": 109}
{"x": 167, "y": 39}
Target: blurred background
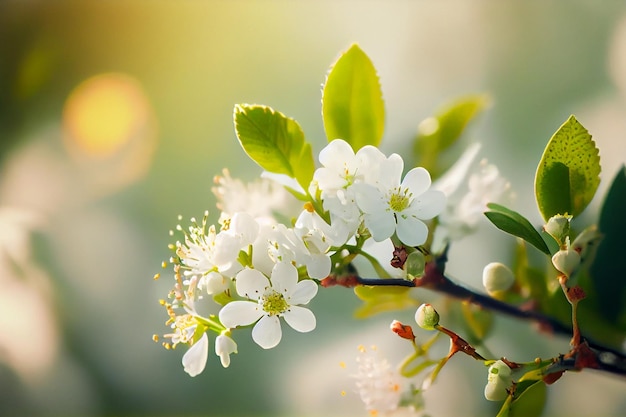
{"x": 116, "y": 115}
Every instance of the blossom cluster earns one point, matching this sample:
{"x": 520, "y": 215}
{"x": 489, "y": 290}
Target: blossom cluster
{"x": 366, "y": 187}
{"x": 263, "y": 262}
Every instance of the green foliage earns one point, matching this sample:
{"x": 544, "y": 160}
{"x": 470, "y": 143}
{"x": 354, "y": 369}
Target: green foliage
{"x": 514, "y": 223}
{"x": 477, "y": 321}
{"x": 439, "y": 132}
{"x": 530, "y": 399}
{"x": 352, "y": 103}
{"x": 531, "y": 281}
{"x": 381, "y": 299}
{"x": 568, "y": 174}
{"x": 275, "y": 142}
{"x": 607, "y": 270}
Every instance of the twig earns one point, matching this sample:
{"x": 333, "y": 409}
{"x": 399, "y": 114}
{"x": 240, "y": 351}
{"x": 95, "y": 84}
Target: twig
{"x": 608, "y": 359}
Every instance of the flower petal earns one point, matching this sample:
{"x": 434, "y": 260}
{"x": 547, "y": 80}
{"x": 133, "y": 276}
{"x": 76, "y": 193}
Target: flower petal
{"x": 300, "y": 319}
{"x": 284, "y": 277}
{"x": 303, "y": 293}
{"x": 251, "y": 283}
{"x": 224, "y": 346}
{"x": 417, "y": 180}
{"x": 244, "y": 225}
{"x": 390, "y": 172}
{"x": 318, "y": 266}
{"x": 411, "y": 231}
{"x": 336, "y": 150}
{"x": 428, "y": 205}
{"x": 215, "y": 282}
{"x": 369, "y": 198}
{"x": 267, "y": 332}
{"x": 240, "y": 313}
{"x": 194, "y": 360}
{"x": 381, "y": 225}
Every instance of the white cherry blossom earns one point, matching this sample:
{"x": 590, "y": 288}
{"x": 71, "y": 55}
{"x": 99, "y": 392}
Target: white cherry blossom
{"x": 209, "y": 258}
{"x": 267, "y": 301}
{"x": 468, "y": 186}
{"x": 345, "y": 215}
{"x": 262, "y": 199}
{"x": 394, "y": 207}
{"x": 379, "y": 385}
{"x": 341, "y": 173}
{"x": 340, "y": 167}
{"x": 285, "y": 245}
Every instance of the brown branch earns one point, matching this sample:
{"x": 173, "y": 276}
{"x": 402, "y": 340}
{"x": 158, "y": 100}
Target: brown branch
{"x": 608, "y": 359}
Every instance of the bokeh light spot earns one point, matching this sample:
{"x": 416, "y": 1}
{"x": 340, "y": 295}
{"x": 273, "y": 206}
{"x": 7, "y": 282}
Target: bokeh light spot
{"x": 105, "y": 112}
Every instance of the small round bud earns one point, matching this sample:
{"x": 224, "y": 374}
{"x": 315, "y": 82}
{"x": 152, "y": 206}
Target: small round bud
{"x": 415, "y": 264}
{"x": 558, "y": 227}
{"x": 427, "y": 317}
{"x": 566, "y": 261}
{"x": 498, "y": 380}
{"x": 497, "y": 277}
{"x": 496, "y": 390}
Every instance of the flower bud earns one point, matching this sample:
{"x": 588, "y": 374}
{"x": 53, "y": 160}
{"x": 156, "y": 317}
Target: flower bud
{"x": 415, "y": 264}
{"x": 498, "y": 380}
{"x": 426, "y": 317}
{"x": 497, "y": 277}
{"x": 403, "y": 330}
{"x": 558, "y": 227}
{"x": 566, "y": 261}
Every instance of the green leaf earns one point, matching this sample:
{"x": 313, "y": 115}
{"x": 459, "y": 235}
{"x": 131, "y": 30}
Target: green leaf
{"x": 552, "y": 244}
{"x": 439, "y": 132}
{"x": 352, "y": 103}
{"x": 275, "y": 142}
{"x": 568, "y": 174}
{"x": 530, "y": 399}
{"x": 607, "y": 270}
{"x": 381, "y": 299}
{"x": 477, "y": 321}
{"x": 514, "y": 223}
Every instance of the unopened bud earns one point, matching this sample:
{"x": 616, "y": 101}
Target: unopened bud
{"x": 497, "y": 278}
{"x": 566, "y": 261}
{"x": 415, "y": 264}
{"x": 403, "y": 330}
{"x": 498, "y": 381}
{"x": 427, "y": 317}
{"x": 558, "y": 227}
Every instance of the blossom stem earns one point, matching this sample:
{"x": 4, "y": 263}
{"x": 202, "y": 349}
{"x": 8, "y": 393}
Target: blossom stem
{"x": 211, "y": 324}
